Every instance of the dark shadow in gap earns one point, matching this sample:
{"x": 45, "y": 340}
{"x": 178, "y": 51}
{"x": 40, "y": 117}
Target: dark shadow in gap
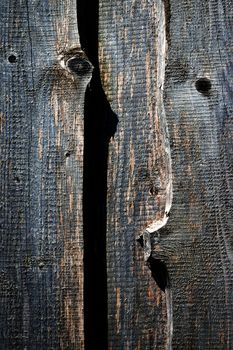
{"x": 159, "y": 272}
{"x": 158, "y": 269}
{"x": 99, "y": 126}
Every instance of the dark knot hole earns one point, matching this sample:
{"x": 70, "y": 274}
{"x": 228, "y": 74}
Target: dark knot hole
{"x": 203, "y": 85}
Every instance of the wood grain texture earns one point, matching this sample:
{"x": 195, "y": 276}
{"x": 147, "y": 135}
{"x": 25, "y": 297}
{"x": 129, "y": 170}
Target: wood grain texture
{"x": 132, "y": 43}
{"x": 194, "y": 40}
{"x": 41, "y": 135}
{"x": 197, "y": 243}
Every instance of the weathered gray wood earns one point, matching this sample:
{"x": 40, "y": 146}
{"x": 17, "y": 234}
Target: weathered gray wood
{"x": 194, "y": 40}
{"x": 43, "y": 80}
{"x": 198, "y": 242}
{"x": 132, "y": 57}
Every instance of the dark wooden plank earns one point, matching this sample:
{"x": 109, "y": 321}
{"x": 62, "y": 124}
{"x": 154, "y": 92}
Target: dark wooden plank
{"x": 43, "y": 80}
{"x": 194, "y": 39}
{"x": 132, "y": 44}
{"x": 198, "y": 243}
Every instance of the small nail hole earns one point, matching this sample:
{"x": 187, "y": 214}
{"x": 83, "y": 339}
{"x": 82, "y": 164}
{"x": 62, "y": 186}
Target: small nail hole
{"x": 17, "y": 179}
{"x": 154, "y": 191}
{"x": 203, "y": 85}
{"x": 67, "y": 154}
{"x": 41, "y": 265}
{"x": 12, "y": 59}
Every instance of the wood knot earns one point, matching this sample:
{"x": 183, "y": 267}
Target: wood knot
{"x": 76, "y": 62}
{"x": 79, "y": 66}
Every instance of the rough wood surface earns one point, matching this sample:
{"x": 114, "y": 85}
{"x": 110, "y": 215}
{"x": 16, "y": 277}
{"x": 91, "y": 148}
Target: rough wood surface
{"x": 43, "y": 80}
{"x": 194, "y": 40}
{"x": 132, "y": 43}
{"x": 197, "y": 243}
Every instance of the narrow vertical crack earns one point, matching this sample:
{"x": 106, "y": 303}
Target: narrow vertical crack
{"x": 167, "y": 12}
{"x": 99, "y": 126}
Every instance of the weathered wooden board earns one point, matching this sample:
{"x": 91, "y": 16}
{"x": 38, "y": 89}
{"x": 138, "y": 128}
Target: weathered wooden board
{"x": 43, "y": 80}
{"x": 197, "y": 242}
{"x": 132, "y": 44}
{"x": 194, "y": 40}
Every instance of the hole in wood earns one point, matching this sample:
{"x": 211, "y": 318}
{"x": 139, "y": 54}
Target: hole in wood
{"x": 159, "y": 272}
{"x": 154, "y": 191}
{"x": 203, "y": 85}
{"x": 41, "y": 265}
{"x": 140, "y": 241}
{"x": 67, "y": 154}
{"x": 17, "y": 179}
{"x": 12, "y": 59}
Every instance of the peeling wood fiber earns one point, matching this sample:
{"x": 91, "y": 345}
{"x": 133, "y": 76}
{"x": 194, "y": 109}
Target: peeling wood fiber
{"x": 41, "y": 140}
